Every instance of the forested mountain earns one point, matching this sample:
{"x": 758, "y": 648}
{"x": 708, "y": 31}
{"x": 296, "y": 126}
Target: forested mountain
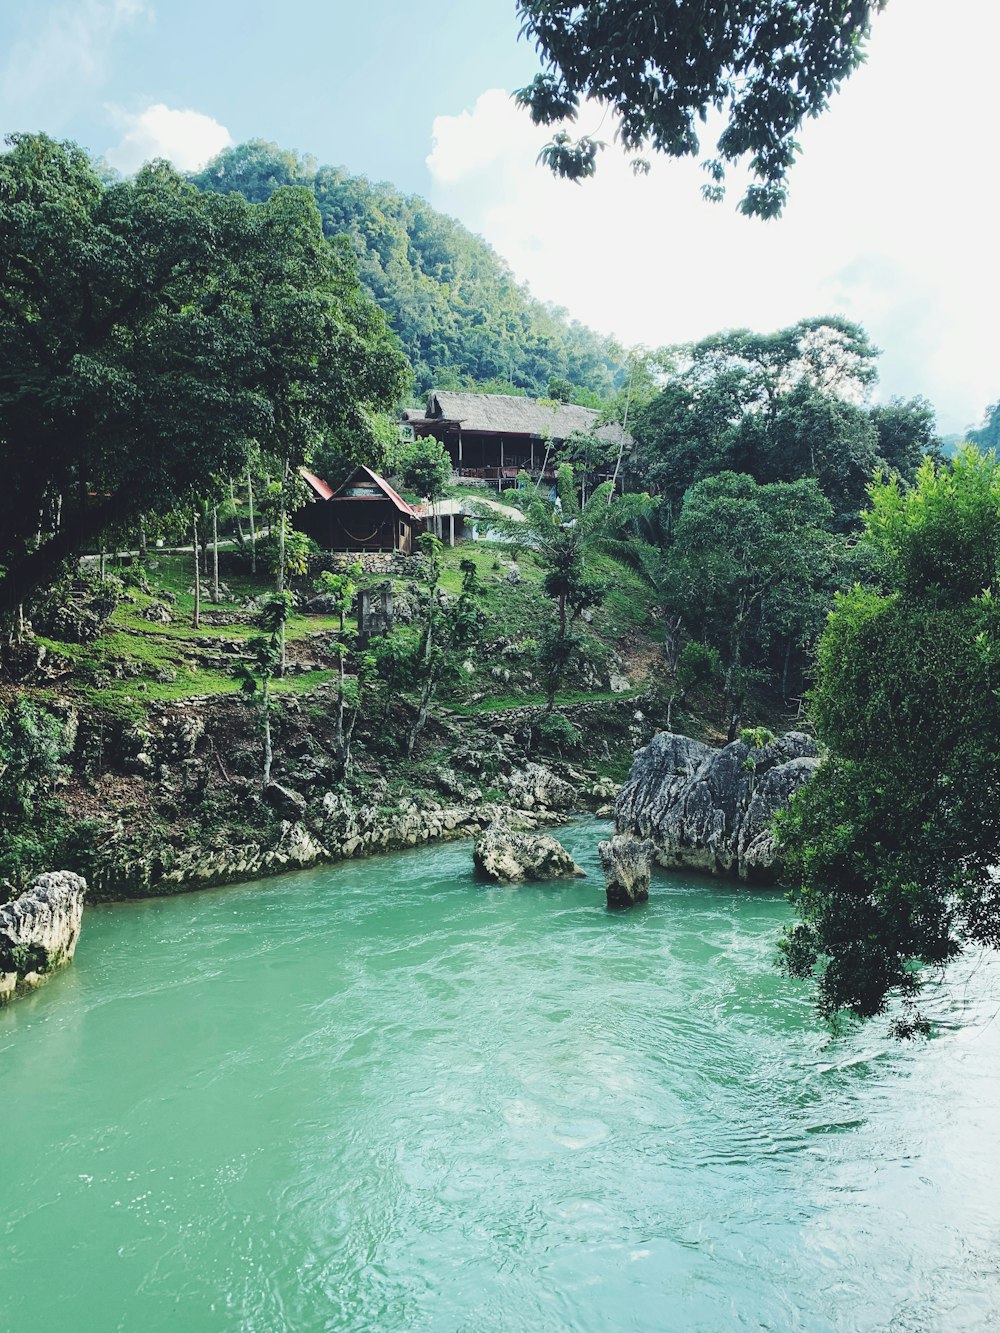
{"x": 461, "y": 316}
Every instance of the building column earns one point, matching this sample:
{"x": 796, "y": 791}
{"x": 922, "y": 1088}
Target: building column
{"x": 451, "y": 535}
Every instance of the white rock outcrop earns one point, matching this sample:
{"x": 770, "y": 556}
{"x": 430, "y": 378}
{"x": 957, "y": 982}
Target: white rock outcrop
{"x": 508, "y": 857}
{"x": 713, "y": 810}
{"x": 39, "y": 931}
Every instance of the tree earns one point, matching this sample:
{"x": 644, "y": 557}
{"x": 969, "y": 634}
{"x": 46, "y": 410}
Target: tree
{"x": 907, "y": 433}
{"x": 988, "y": 435}
{"x": 341, "y": 587}
{"x": 149, "y": 333}
{"x": 766, "y": 64}
{"x": 812, "y": 434}
{"x": 33, "y": 747}
{"x": 424, "y": 467}
{"x": 891, "y": 848}
{"x": 560, "y": 541}
{"x": 262, "y": 665}
{"x": 450, "y": 626}
{"x": 741, "y": 552}
{"x": 763, "y": 404}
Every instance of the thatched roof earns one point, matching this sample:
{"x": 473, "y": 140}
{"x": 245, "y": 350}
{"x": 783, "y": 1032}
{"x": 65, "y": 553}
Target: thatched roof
{"x": 506, "y": 415}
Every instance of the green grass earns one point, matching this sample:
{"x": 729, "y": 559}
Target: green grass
{"x": 148, "y": 648}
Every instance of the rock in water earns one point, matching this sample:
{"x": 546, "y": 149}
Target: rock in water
{"x": 507, "y": 857}
{"x": 712, "y": 810}
{"x": 39, "y": 931}
{"x": 627, "y": 864}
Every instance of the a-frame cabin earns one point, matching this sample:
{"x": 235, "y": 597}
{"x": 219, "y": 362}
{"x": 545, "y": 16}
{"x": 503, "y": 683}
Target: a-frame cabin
{"x": 364, "y": 513}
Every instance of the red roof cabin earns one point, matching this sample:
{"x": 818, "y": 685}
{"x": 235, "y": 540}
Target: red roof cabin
{"x": 364, "y": 513}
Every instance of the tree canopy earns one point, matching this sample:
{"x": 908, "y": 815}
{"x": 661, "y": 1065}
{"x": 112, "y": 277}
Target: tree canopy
{"x": 765, "y": 65}
{"x": 149, "y": 333}
{"x": 779, "y": 407}
{"x": 460, "y": 315}
{"x": 892, "y": 847}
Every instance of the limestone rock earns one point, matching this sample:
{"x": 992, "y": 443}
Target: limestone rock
{"x": 536, "y": 787}
{"x": 712, "y": 810}
{"x": 508, "y": 857}
{"x": 288, "y": 804}
{"x": 39, "y": 931}
{"x": 627, "y": 863}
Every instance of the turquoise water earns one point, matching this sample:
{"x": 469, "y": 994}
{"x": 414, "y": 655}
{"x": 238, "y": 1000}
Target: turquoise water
{"x": 384, "y": 1097}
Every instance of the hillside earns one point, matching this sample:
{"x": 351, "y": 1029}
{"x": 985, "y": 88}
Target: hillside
{"x": 457, "y": 309}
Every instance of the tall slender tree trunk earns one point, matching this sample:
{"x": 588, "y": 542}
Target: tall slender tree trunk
{"x": 196, "y": 619}
{"x": 240, "y": 534}
{"x": 253, "y": 530}
{"x": 339, "y": 741}
{"x": 102, "y": 565}
{"x": 784, "y": 673}
{"x": 281, "y": 562}
{"x": 423, "y": 709}
{"x": 142, "y": 539}
{"x": 266, "y": 728}
{"x": 215, "y": 554}
{"x": 621, "y": 442}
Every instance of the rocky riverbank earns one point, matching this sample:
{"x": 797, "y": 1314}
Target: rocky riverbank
{"x": 343, "y": 824}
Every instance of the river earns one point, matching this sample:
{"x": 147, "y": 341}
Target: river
{"x": 381, "y": 1096}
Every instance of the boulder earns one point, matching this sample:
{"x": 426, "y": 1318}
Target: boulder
{"x": 39, "y": 931}
{"x": 627, "y": 864}
{"x": 536, "y": 787}
{"x": 507, "y": 857}
{"x": 287, "y": 803}
{"x": 712, "y": 810}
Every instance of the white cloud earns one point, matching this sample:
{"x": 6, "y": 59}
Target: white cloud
{"x": 62, "y": 55}
{"x": 186, "y": 138}
{"x": 890, "y": 222}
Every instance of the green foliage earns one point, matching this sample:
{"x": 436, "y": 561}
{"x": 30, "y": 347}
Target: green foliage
{"x": 697, "y": 664}
{"x": 749, "y": 564}
{"x": 424, "y": 467}
{"x": 342, "y": 587}
{"x": 891, "y": 847}
{"x": 148, "y": 333}
{"x": 940, "y": 540}
{"x": 566, "y": 491}
{"x": 555, "y": 732}
{"x": 778, "y": 407}
{"x": 33, "y": 747}
{"x": 462, "y": 319}
{"x": 756, "y": 737}
{"x": 766, "y": 65}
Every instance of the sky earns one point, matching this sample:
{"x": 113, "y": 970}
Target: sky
{"x": 893, "y": 205}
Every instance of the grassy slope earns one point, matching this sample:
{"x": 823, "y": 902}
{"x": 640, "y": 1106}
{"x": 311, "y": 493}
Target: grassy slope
{"x": 137, "y": 661}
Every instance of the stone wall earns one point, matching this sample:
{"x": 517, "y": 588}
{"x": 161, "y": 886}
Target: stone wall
{"x": 395, "y": 564}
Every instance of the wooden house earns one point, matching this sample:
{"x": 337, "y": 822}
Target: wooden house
{"x": 491, "y": 437}
{"x": 364, "y": 513}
